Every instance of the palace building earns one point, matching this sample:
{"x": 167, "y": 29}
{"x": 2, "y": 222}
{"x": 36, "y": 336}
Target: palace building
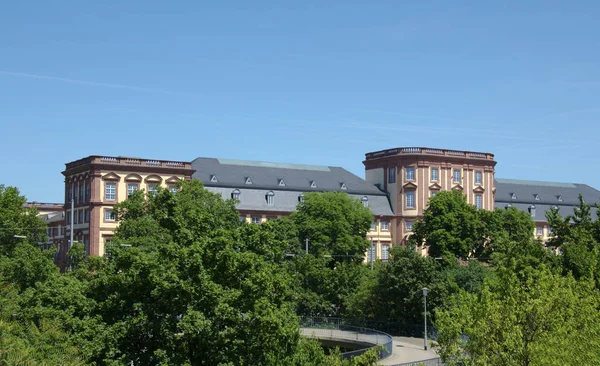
{"x": 411, "y": 175}
{"x": 97, "y": 183}
{"x": 397, "y": 187}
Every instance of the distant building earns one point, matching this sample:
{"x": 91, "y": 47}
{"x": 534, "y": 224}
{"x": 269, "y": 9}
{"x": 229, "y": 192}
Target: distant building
{"x": 97, "y": 183}
{"x": 537, "y": 198}
{"x": 270, "y": 190}
{"x": 411, "y": 175}
{"x": 45, "y": 207}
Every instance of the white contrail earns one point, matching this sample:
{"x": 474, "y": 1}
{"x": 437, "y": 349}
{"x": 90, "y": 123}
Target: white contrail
{"x": 94, "y": 83}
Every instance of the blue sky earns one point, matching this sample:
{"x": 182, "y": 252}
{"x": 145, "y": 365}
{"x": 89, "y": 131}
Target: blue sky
{"x": 312, "y": 82}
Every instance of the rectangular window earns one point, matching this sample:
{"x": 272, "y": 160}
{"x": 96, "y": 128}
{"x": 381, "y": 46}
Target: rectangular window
{"x": 69, "y": 194}
{"x": 88, "y": 192}
{"x": 392, "y": 174}
{"x": 434, "y": 174}
{"x": 409, "y": 225}
{"x": 385, "y": 252}
{"x": 478, "y": 201}
{"x": 478, "y": 177}
{"x": 75, "y": 217}
{"x": 410, "y": 199}
{"x": 371, "y": 253}
{"x": 131, "y": 187}
{"x": 76, "y": 195}
{"x": 456, "y": 176}
{"x": 108, "y": 216}
{"x": 410, "y": 173}
{"x": 110, "y": 191}
{"x": 81, "y": 216}
{"x": 270, "y": 199}
{"x": 173, "y": 189}
{"x": 242, "y": 218}
{"x": 385, "y": 226}
{"x": 81, "y": 192}
{"x": 255, "y": 219}
{"x": 549, "y": 230}
{"x": 540, "y": 230}
{"x": 152, "y": 190}
{"x": 432, "y": 193}
{"x": 373, "y": 226}
{"x": 87, "y": 215}
{"x": 62, "y": 231}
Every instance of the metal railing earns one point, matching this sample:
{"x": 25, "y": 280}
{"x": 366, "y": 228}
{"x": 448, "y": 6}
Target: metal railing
{"x": 336, "y": 328}
{"x": 429, "y": 362}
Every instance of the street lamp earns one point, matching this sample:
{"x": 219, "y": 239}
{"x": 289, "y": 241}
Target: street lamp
{"x": 425, "y": 290}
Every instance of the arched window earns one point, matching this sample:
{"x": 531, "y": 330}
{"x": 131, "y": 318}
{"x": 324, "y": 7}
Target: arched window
{"x": 270, "y": 197}
{"x": 235, "y": 194}
{"x": 365, "y": 201}
{"x": 301, "y": 197}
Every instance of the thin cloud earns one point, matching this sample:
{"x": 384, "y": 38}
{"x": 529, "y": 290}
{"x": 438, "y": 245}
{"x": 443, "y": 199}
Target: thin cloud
{"x": 94, "y": 83}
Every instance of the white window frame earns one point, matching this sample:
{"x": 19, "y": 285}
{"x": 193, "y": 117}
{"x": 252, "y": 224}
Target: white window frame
{"x": 385, "y": 251}
{"x": 478, "y": 177}
{"x": 539, "y": 230}
{"x": 365, "y": 201}
{"x": 108, "y": 214}
{"x": 235, "y": 194}
{"x": 110, "y": 191}
{"x": 152, "y": 189}
{"x": 132, "y": 185}
{"x": 408, "y": 203}
{"x": 456, "y": 176}
{"x": 256, "y": 219}
{"x": 478, "y": 201}
{"x": 410, "y": 176}
{"x": 385, "y": 226}
{"x": 437, "y": 174}
{"x": 270, "y": 197}
{"x": 409, "y": 225}
{"x": 373, "y": 226}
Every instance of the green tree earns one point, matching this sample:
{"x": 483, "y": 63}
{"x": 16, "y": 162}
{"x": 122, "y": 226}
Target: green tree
{"x": 211, "y": 294}
{"x": 450, "y": 226}
{"x": 531, "y": 317}
{"x": 578, "y": 237}
{"x": 17, "y": 221}
{"x": 335, "y": 224}
{"x": 397, "y": 293}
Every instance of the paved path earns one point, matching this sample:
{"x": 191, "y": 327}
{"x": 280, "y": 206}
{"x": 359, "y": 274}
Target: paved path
{"x": 408, "y": 349}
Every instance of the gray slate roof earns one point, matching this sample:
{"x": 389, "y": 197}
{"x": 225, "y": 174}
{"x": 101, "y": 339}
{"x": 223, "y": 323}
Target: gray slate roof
{"x": 547, "y": 193}
{"x": 265, "y": 177}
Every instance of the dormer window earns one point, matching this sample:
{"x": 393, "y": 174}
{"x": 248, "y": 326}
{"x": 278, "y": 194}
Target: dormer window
{"x": 536, "y": 197}
{"x": 301, "y": 197}
{"x": 213, "y": 179}
{"x": 508, "y": 206}
{"x": 248, "y": 180}
{"x": 513, "y": 196}
{"x": 365, "y": 201}
{"x": 270, "y": 197}
{"x": 556, "y": 207}
{"x": 313, "y": 184}
{"x": 532, "y": 210}
{"x": 235, "y": 194}
{"x": 559, "y": 198}
{"x": 343, "y": 186}
{"x": 281, "y": 183}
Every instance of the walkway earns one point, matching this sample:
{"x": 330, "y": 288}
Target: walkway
{"x": 408, "y": 349}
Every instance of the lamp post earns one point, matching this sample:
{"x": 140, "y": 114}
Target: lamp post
{"x": 425, "y": 290}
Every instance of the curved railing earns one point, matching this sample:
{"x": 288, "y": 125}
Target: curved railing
{"x": 336, "y": 329}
